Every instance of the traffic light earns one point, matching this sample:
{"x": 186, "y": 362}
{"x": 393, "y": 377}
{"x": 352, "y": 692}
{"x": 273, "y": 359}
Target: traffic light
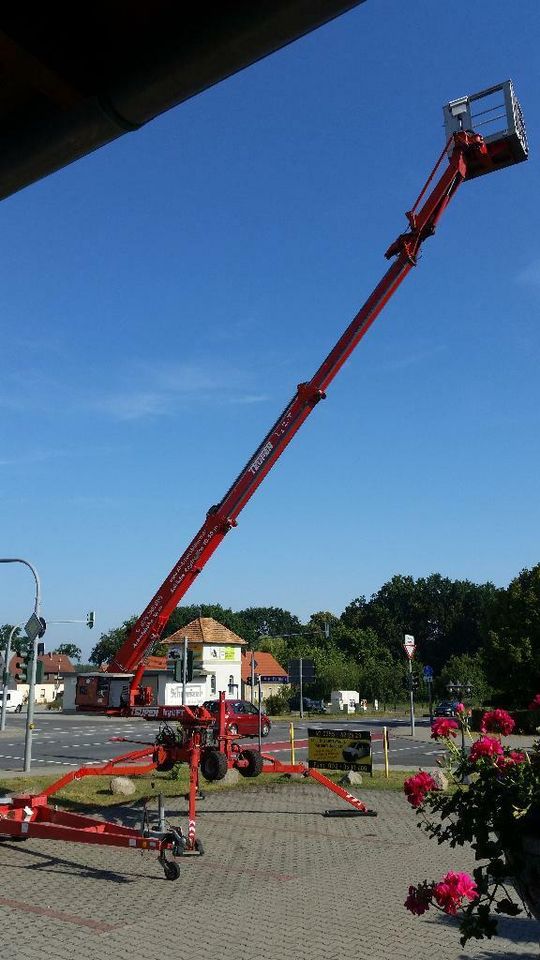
{"x": 90, "y": 619}
{"x": 23, "y": 666}
{"x": 415, "y": 681}
{"x": 179, "y": 668}
{"x": 39, "y": 671}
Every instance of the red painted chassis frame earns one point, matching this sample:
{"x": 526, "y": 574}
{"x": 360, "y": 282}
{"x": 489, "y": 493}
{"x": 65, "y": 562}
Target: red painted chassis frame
{"x": 30, "y": 815}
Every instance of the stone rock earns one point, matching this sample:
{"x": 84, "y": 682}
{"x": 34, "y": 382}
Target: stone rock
{"x": 351, "y": 778}
{"x": 232, "y": 776}
{"x": 440, "y": 779}
{"x": 122, "y": 785}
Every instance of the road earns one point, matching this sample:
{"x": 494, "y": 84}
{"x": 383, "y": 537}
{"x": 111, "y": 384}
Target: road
{"x": 73, "y": 741}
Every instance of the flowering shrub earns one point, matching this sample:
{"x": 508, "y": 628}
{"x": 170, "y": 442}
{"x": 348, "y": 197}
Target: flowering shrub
{"x": 497, "y": 721}
{"x": 442, "y": 728}
{"x": 493, "y": 800}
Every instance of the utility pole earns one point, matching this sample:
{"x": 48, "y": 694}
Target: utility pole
{"x": 301, "y": 690}
{"x": 253, "y": 665}
{"x": 35, "y": 628}
{"x": 184, "y": 671}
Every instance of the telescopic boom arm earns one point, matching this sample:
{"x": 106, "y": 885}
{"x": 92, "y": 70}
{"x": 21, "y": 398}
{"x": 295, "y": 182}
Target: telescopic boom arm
{"x": 468, "y": 155}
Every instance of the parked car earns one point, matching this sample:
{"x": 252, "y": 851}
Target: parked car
{"x": 242, "y": 717}
{"x": 447, "y": 708}
{"x": 310, "y": 706}
{"x": 356, "y": 751}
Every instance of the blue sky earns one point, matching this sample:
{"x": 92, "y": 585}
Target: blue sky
{"x": 162, "y": 298}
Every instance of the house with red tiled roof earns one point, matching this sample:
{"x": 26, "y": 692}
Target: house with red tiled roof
{"x": 56, "y": 666}
{"x": 216, "y": 664}
{"x": 265, "y": 666}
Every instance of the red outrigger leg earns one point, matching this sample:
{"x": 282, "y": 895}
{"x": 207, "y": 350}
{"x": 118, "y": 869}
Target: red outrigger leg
{"x": 29, "y": 815}
{"x": 271, "y": 765}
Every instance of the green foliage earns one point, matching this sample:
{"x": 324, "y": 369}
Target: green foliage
{"x": 467, "y": 632}
{"x": 464, "y": 669}
{"x": 278, "y": 703}
{"x": 109, "y": 643}
{"x": 512, "y": 651}
{"x": 19, "y": 642}
{"x": 69, "y": 650}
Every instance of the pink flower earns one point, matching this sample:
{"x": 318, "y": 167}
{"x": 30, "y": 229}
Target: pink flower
{"x": 486, "y": 747}
{"x": 417, "y": 787}
{"x": 460, "y": 708}
{"x": 497, "y": 721}
{"x": 453, "y": 889}
{"x": 419, "y": 899}
{"x": 535, "y": 704}
{"x": 442, "y": 727}
{"x": 511, "y": 759}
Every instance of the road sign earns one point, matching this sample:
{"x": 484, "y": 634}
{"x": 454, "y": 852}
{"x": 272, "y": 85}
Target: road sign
{"x": 409, "y": 645}
{"x": 428, "y": 673}
{"x": 35, "y": 627}
{"x": 308, "y": 671}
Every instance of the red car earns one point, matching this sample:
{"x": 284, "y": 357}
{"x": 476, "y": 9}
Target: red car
{"x": 242, "y": 717}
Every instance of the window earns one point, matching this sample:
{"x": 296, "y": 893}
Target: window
{"x": 213, "y": 684}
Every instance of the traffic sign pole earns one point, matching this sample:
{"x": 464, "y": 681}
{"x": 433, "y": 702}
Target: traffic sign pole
{"x": 411, "y": 694}
{"x": 410, "y": 646}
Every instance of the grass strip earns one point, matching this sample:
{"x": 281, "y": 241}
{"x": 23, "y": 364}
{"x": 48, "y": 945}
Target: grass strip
{"x": 95, "y": 792}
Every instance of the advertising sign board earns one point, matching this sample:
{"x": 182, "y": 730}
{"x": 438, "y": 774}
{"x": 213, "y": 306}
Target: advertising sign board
{"x": 340, "y": 750}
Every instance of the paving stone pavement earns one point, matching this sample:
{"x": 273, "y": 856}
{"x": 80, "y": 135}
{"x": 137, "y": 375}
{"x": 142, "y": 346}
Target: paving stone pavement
{"x": 278, "y": 881}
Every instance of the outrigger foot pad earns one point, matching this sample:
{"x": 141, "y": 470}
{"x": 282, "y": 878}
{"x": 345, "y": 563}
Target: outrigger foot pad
{"x": 350, "y": 813}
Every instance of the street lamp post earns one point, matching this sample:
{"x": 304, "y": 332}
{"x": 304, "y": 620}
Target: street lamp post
{"x": 30, "y": 712}
{"x": 460, "y": 690}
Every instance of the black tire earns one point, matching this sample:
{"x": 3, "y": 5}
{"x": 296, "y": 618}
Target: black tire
{"x": 233, "y": 728}
{"x": 255, "y": 763}
{"x": 171, "y": 870}
{"x": 166, "y": 766}
{"x": 199, "y": 847}
{"x": 265, "y": 729}
{"x": 214, "y": 765}
{"x": 19, "y": 708}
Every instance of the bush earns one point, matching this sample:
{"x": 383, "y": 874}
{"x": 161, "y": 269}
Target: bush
{"x": 55, "y": 704}
{"x": 527, "y": 721}
{"x": 277, "y": 703}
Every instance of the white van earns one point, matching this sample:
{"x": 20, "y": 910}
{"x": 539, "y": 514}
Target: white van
{"x": 14, "y": 700}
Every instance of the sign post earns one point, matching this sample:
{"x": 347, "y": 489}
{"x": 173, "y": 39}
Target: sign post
{"x": 409, "y": 647}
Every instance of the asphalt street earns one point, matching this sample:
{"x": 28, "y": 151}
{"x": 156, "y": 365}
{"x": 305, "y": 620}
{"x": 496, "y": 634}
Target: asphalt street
{"x": 74, "y": 741}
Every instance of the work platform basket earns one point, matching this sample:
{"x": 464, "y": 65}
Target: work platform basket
{"x": 494, "y": 113}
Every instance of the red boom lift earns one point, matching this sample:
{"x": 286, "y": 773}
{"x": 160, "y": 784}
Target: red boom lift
{"x": 199, "y": 741}
{"x": 470, "y": 155}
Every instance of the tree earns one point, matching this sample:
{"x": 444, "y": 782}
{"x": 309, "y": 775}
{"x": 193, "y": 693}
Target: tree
{"x": 512, "y": 651}
{"x": 109, "y": 643}
{"x": 69, "y": 650}
{"x": 18, "y": 642}
{"x": 462, "y": 668}
{"x": 444, "y": 616}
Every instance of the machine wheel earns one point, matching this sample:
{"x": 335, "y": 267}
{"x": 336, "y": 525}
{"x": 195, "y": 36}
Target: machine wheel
{"x": 214, "y": 765}
{"x": 265, "y": 730}
{"x": 19, "y": 708}
{"x": 199, "y": 847}
{"x": 255, "y": 763}
{"x": 171, "y": 870}
{"x": 233, "y": 728}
